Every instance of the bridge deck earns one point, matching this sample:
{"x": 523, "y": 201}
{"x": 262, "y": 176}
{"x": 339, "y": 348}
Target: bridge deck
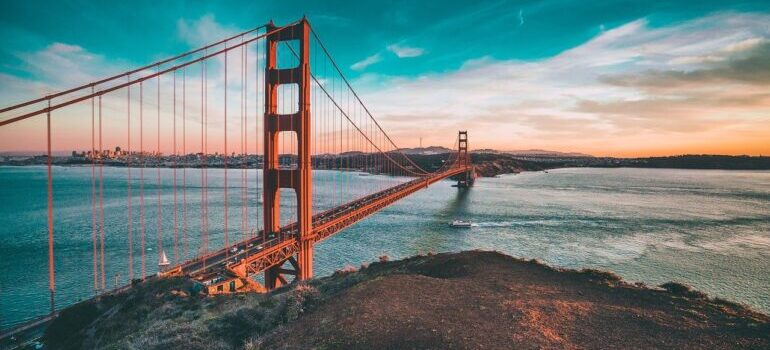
{"x": 257, "y": 254}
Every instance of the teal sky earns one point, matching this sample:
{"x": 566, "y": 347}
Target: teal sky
{"x": 448, "y": 32}
{"x": 387, "y": 45}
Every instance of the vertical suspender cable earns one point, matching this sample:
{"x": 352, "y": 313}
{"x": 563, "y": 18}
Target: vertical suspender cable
{"x": 93, "y": 193}
{"x": 205, "y": 162}
{"x": 184, "y": 169}
{"x": 176, "y": 225}
{"x": 244, "y": 138}
{"x": 203, "y": 155}
{"x": 51, "y": 272}
{"x": 294, "y": 213}
{"x": 227, "y": 252}
{"x": 130, "y": 199}
{"x": 256, "y": 138}
{"x": 141, "y": 179}
{"x": 159, "y": 232}
{"x": 101, "y": 195}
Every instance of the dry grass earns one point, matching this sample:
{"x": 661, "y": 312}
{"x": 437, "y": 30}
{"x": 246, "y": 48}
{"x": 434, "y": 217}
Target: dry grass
{"x": 464, "y": 300}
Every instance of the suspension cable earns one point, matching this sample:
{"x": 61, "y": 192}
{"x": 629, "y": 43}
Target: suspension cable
{"x": 139, "y": 80}
{"x": 105, "y": 80}
{"x": 339, "y": 71}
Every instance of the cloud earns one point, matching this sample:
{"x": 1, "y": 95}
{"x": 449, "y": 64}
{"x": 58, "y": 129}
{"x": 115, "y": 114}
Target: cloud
{"x": 366, "y": 62}
{"x": 627, "y": 91}
{"x": 405, "y": 51}
{"x": 398, "y": 50}
{"x": 59, "y": 66}
{"x": 202, "y": 31}
{"x": 747, "y": 61}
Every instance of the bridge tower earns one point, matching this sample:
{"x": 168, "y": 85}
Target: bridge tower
{"x": 466, "y": 179}
{"x": 300, "y": 178}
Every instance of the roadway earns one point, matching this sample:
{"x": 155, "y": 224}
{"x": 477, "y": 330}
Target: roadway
{"x": 324, "y": 224}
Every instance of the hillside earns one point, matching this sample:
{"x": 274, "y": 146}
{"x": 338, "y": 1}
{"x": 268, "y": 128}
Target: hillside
{"x": 468, "y": 300}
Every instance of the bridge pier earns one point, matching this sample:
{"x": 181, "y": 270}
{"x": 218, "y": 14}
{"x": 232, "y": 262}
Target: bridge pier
{"x": 298, "y": 178}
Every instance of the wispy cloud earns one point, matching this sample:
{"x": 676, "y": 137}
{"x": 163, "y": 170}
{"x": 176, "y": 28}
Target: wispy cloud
{"x": 623, "y": 92}
{"x": 366, "y": 62}
{"x": 203, "y": 30}
{"x": 60, "y": 65}
{"x": 405, "y": 51}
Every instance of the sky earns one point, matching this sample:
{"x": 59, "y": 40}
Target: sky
{"x": 608, "y": 78}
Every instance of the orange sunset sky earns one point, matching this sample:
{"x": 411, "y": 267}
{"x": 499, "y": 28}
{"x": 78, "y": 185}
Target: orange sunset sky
{"x": 648, "y": 83}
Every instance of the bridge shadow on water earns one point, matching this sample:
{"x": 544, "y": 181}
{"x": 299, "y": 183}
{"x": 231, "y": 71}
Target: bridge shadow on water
{"x": 434, "y": 233}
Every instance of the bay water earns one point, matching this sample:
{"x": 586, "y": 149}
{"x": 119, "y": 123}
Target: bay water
{"x": 706, "y": 228}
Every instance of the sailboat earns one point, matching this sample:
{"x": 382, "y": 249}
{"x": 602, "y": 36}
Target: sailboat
{"x": 163, "y": 264}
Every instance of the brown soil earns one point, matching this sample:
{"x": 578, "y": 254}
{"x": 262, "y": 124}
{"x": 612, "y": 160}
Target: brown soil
{"x": 486, "y": 300}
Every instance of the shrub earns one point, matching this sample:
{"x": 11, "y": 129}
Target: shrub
{"x": 298, "y": 299}
{"x": 345, "y": 270}
{"x": 601, "y": 276}
{"x": 682, "y": 290}
{"x": 71, "y": 321}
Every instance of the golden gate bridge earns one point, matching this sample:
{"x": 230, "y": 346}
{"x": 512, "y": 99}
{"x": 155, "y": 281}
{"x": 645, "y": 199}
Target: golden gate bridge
{"x": 282, "y": 100}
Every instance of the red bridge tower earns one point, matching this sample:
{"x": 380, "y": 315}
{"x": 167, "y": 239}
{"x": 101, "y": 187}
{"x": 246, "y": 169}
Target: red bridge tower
{"x": 298, "y": 178}
{"x": 466, "y": 179}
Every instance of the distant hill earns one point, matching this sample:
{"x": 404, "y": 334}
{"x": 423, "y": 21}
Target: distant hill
{"x": 536, "y": 153}
{"x": 698, "y": 161}
{"x": 546, "y": 153}
{"x": 427, "y": 150}
{"x": 528, "y": 153}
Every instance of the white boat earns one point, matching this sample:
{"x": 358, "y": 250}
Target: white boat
{"x": 163, "y": 263}
{"x": 461, "y": 224}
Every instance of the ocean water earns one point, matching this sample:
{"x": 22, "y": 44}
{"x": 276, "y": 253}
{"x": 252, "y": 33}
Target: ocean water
{"x": 705, "y": 228}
